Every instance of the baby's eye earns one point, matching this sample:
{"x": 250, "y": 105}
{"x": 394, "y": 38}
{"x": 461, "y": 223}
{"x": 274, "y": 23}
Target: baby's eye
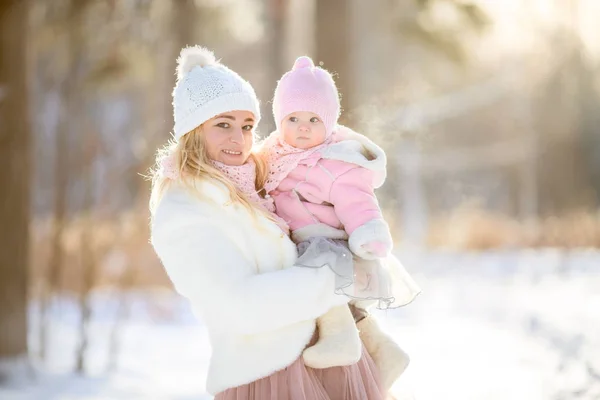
{"x": 223, "y": 125}
{"x": 314, "y": 119}
{"x": 248, "y": 127}
{"x": 294, "y": 119}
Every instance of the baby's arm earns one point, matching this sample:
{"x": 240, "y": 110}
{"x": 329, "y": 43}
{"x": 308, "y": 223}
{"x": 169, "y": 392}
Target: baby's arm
{"x": 354, "y": 201}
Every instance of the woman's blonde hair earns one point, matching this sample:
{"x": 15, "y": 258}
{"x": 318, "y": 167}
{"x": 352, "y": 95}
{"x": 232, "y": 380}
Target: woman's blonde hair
{"x": 192, "y": 163}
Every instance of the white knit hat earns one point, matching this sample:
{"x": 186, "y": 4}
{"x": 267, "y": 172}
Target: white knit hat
{"x": 206, "y": 88}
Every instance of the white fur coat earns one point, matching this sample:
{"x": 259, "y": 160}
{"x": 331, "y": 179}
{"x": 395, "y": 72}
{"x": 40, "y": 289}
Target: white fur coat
{"x": 232, "y": 266}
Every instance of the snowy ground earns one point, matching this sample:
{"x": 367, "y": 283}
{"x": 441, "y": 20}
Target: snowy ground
{"x": 506, "y": 325}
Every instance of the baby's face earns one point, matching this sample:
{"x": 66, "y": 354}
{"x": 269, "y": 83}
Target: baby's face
{"x": 303, "y": 130}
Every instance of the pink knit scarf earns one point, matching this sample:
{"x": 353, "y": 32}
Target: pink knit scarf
{"x": 283, "y": 158}
{"x": 243, "y": 177}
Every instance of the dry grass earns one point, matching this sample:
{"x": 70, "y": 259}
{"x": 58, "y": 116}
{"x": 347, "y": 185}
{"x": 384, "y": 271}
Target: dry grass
{"x": 471, "y": 228}
{"x": 121, "y": 243}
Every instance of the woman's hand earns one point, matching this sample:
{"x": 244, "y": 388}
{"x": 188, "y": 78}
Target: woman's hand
{"x": 333, "y": 298}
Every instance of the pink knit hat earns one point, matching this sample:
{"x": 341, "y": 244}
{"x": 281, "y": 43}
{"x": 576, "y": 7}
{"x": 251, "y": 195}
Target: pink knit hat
{"x": 307, "y": 88}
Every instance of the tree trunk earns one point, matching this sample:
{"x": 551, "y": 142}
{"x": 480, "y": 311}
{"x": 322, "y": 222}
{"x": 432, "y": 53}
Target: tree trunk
{"x": 180, "y": 33}
{"x": 14, "y": 178}
{"x": 69, "y": 86}
{"x": 276, "y": 14}
{"x": 334, "y": 37}
{"x": 89, "y": 261}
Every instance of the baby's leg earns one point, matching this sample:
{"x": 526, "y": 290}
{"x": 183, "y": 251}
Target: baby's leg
{"x": 338, "y": 344}
{"x": 390, "y": 359}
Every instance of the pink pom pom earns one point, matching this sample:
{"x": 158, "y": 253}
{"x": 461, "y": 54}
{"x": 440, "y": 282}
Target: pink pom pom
{"x": 303, "y": 62}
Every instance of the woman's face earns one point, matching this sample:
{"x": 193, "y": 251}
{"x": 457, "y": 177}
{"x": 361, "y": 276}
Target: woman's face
{"x": 229, "y": 137}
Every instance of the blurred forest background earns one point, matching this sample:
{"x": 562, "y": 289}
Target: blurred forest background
{"x": 488, "y": 111}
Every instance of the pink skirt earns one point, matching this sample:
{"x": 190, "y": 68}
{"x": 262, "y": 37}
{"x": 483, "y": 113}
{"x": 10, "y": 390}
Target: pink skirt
{"x": 359, "y": 381}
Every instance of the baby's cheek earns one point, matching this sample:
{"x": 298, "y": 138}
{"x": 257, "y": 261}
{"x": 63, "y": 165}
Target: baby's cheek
{"x": 288, "y": 135}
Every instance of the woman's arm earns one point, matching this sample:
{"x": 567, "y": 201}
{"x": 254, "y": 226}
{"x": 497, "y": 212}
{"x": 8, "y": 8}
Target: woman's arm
{"x": 208, "y": 268}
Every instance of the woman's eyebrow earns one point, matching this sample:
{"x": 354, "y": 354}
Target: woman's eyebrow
{"x": 231, "y": 117}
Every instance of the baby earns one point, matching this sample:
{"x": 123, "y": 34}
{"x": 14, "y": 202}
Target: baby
{"x": 322, "y": 178}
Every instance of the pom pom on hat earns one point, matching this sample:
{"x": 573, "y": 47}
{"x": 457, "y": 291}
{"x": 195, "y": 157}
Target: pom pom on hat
{"x": 194, "y": 56}
{"x": 303, "y": 62}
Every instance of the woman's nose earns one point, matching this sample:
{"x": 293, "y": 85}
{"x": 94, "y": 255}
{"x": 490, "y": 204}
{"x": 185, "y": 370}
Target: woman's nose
{"x": 237, "y": 136}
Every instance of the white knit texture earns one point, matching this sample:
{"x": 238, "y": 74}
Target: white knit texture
{"x": 207, "y": 88}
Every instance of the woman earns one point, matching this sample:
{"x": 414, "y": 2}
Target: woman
{"x": 230, "y": 258}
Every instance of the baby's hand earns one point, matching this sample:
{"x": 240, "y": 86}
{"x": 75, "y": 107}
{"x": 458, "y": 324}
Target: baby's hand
{"x": 274, "y": 193}
{"x": 371, "y": 240}
{"x": 376, "y": 248}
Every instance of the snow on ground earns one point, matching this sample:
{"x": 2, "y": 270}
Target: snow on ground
{"x": 507, "y": 325}
{"x": 504, "y": 326}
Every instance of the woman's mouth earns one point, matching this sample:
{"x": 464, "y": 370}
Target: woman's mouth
{"x": 232, "y": 152}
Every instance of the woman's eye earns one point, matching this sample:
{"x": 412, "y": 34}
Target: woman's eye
{"x": 247, "y": 127}
{"x": 223, "y": 125}
{"x": 314, "y": 119}
{"x": 293, "y": 119}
